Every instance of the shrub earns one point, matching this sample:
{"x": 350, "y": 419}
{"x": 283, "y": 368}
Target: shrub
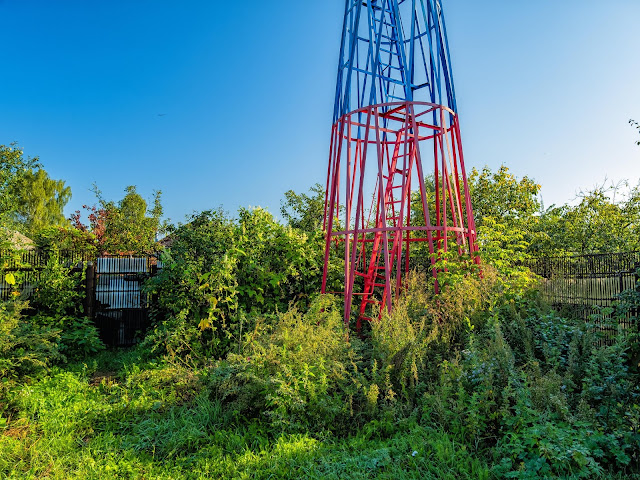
{"x": 58, "y": 291}
{"x": 67, "y": 239}
{"x": 424, "y": 330}
{"x": 57, "y": 300}
{"x": 220, "y": 273}
{"x": 295, "y": 374}
{"x": 23, "y": 348}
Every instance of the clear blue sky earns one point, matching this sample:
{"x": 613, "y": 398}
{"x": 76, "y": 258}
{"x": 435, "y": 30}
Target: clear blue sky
{"x": 246, "y": 90}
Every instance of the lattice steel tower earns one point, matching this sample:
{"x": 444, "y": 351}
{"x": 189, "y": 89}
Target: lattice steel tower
{"x": 394, "y": 115}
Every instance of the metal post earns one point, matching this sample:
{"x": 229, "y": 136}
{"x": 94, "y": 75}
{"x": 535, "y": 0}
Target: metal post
{"x": 89, "y": 296}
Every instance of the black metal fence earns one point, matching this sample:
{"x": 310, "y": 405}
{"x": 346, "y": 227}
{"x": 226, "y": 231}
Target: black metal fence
{"x": 114, "y": 298}
{"x": 27, "y": 266}
{"x": 584, "y": 284}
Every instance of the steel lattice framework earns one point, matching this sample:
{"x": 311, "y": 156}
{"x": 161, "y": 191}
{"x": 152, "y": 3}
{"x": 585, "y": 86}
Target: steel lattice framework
{"x": 394, "y": 114}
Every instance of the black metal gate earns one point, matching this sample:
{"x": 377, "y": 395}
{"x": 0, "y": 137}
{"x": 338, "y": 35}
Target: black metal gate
{"x": 120, "y": 308}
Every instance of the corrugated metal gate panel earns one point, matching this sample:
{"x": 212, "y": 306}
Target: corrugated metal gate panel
{"x": 121, "y": 307}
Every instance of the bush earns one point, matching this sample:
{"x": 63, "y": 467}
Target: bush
{"x": 70, "y": 239}
{"x": 57, "y": 299}
{"x": 425, "y": 329}
{"x": 220, "y": 274}
{"x": 58, "y": 291}
{"x": 24, "y": 348}
{"x": 535, "y": 391}
{"x": 295, "y": 374}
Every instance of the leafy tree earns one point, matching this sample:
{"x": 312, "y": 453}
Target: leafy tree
{"x": 505, "y": 209}
{"x": 130, "y": 226}
{"x": 601, "y": 222}
{"x": 127, "y": 226}
{"x": 304, "y": 211}
{"x": 29, "y": 199}
{"x": 13, "y": 168}
{"x": 40, "y": 201}
{"x": 501, "y": 196}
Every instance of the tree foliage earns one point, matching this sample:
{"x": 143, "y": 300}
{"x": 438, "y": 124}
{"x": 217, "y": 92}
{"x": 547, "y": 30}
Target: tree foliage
{"x": 304, "y": 211}
{"x": 66, "y": 239}
{"x": 128, "y": 226}
{"x": 30, "y": 200}
{"x": 635, "y": 124}
{"x": 13, "y": 168}
{"x": 40, "y": 201}
{"x": 513, "y": 225}
{"x": 218, "y": 269}
{"x": 501, "y": 196}
{"x": 604, "y": 220}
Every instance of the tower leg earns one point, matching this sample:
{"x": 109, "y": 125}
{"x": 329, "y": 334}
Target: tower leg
{"x": 387, "y": 143}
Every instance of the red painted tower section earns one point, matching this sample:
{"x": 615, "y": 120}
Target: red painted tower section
{"x": 382, "y": 151}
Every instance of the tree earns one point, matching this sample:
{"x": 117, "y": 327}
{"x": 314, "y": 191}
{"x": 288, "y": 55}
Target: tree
{"x": 502, "y": 196}
{"x": 304, "y": 211}
{"x": 13, "y": 168}
{"x": 126, "y": 227}
{"x": 40, "y": 201}
{"x": 603, "y": 221}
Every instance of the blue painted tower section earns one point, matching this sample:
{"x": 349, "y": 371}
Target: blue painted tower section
{"x": 393, "y": 51}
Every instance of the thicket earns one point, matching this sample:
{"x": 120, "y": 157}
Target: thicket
{"x": 481, "y": 377}
{"x": 221, "y": 273}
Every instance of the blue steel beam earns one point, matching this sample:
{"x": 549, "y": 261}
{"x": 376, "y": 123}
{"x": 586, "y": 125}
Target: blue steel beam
{"x": 393, "y": 50}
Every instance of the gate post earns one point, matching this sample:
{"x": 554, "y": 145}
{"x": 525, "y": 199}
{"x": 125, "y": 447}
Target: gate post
{"x": 89, "y": 296}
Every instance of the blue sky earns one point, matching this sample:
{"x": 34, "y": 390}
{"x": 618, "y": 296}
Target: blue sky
{"x": 246, "y": 91}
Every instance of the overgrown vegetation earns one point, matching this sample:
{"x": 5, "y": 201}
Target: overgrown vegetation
{"x": 248, "y": 373}
{"x": 468, "y": 383}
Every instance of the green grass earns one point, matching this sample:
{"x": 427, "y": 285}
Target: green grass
{"x": 117, "y": 417}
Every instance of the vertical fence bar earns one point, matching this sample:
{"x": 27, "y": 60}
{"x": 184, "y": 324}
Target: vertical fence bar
{"x": 90, "y": 290}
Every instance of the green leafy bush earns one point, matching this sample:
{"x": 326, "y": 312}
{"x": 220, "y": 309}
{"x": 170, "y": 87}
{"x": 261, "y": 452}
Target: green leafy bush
{"x": 67, "y": 239}
{"x": 220, "y": 273}
{"x": 24, "y": 348}
{"x": 57, "y": 300}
